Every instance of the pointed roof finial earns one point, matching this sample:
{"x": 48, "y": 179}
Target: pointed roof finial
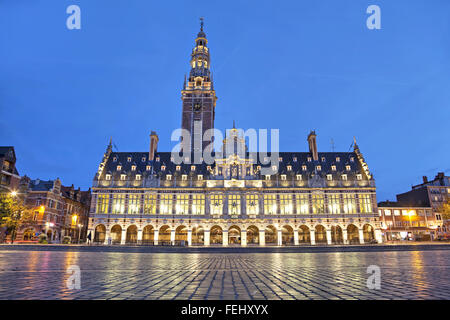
{"x": 234, "y": 125}
{"x": 201, "y": 23}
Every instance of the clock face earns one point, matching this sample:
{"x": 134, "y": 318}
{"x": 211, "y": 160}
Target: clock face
{"x": 197, "y": 107}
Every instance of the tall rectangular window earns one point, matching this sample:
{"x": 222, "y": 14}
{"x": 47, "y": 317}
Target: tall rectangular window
{"x": 318, "y": 203}
{"x": 134, "y": 203}
{"x": 302, "y": 200}
{"x": 118, "y": 203}
{"x": 365, "y": 203}
{"x": 216, "y": 203}
{"x": 150, "y": 204}
{"x": 182, "y": 206}
{"x": 234, "y": 204}
{"x": 165, "y": 205}
{"x": 334, "y": 205}
{"x": 198, "y": 204}
{"x": 349, "y": 203}
{"x": 270, "y": 204}
{"x": 102, "y": 203}
{"x": 252, "y": 203}
{"x": 286, "y": 206}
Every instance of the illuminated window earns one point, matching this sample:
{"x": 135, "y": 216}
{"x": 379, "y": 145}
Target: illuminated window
{"x": 359, "y": 177}
{"x": 138, "y": 177}
{"x": 192, "y": 168}
{"x": 318, "y": 203}
{"x": 129, "y": 159}
{"x": 198, "y": 204}
{"x": 119, "y": 168}
{"x": 118, "y": 203}
{"x": 338, "y": 159}
{"x": 329, "y": 177}
{"x": 309, "y": 159}
{"x": 387, "y": 212}
{"x": 294, "y": 159}
{"x": 302, "y": 200}
{"x": 323, "y": 159}
{"x": 216, "y": 203}
{"x": 334, "y": 206}
{"x": 102, "y": 203}
{"x": 115, "y": 159}
{"x": 148, "y": 168}
{"x": 143, "y": 159}
{"x": 344, "y": 177}
{"x": 280, "y": 159}
{"x": 208, "y": 168}
{"x": 133, "y": 203}
{"x": 352, "y": 159}
{"x": 123, "y": 177}
{"x": 349, "y": 203}
{"x": 286, "y": 206}
{"x": 270, "y": 204}
{"x": 133, "y": 168}
{"x": 252, "y": 203}
{"x": 182, "y": 206}
{"x": 234, "y": 204}
{"x": 318, "y": 168}
{"x": 184, "y": 177}
{"x": 298, "y": 177}
{"x": 267, "y": 177}
{"x": 283, "y": 177}
{"x": 200, "y": 177}
{"x": 289, "y": 168}
{"x": 178, "y": 168}
{"x": 150, "y": 204}
{"x": 347, "y": 168}
{"x": 396, "y": 212}
{"x": 163, "y": 168}
{"x": 333, "y": 168}
{"x": 304, "y": 168}
{"x": 165, "y": 204}
{"x": 157, "y": 159}
{"x": 108, "y": 177}
{"x": 169, "y": 177}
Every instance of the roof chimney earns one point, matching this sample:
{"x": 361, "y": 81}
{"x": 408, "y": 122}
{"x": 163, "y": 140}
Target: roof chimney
{"x": 153, "y": 145}
{"x": 425, "y": 179}
{"x": 313, "y": 145}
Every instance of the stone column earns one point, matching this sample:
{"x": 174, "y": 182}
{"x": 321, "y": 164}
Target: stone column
{"x": 189, "y": 237}
{"x": 262, "y": 238}
{"x": 295, "y": 237}
{"x": 124, "y": 236}
{"x": 107, "y": 235}
{"x": 139, "y": 236}
{"x": 344, "y": 236}
{"x": 172, "y": 236}
{"x": 361, "y": 236}
{"x": 225, "y": 238}
{"x": 312, "y": 234}
{"x": 378, "y": 236}
{"x": 155, "y": 237}
{"x": 329, "y": 236}
{"x": 243, "y": 238}
{"x": 206, "y": 237}
{"x": 279, "y": 237}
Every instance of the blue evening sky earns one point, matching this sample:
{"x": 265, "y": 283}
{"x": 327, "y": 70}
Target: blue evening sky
{"x": 292, "y": 65}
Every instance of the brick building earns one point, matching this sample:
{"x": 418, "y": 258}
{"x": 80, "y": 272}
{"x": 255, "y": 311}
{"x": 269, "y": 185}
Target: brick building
{"x": 9, "y": 176}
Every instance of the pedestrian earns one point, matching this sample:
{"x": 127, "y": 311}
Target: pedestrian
{"x": 89, "y": 238}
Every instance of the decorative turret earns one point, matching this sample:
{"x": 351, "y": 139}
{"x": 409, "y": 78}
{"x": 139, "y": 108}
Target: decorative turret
{"x": 105, "y": 158}
{"x": 153, "y": 145}
{"x": 313, "y": 145}
{"x": 361, "y": 160}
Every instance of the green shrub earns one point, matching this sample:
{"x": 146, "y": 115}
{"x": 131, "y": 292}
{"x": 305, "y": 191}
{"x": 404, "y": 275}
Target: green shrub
{"x": 66, "y": 240}
{"x": 43, "y": 239}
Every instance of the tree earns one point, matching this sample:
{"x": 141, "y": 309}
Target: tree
{"x": 445, "y": 210}
{"x": 13, "y": 214}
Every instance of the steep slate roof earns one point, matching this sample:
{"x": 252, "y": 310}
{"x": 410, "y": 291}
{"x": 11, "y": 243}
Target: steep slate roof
{"x": 41, "y": 185}
{"x": 288, "y": 158}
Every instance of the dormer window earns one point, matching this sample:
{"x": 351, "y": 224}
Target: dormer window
{"x": 192, "y": 168}
{"x": 280, "y": 159}
{"x": 289, "y": 168}
{"x": 123, "y": 177}
{"x": 208, "y": 168}
{"x": 171, "y": 159}
{"x": 299, "y": 177}
{"x": 119, "y": 168}
{"x": 352, "y": 159}
{"x": 294, "y": 159}
{"x": 274, "y": 168}
{"x": 338, "y": 159}
{"x": 347, "y": 168}
{"x": 138, "y": 177}
{"x": 323, "y": 159}
{"x": 115, "y": 159}
{"x": 267, "y": 177}
{"x": 318, "y": 168}
{"x": 157, "y": 159}
{"x": 329, "y": 177}
{"x": 147, "y": 168}
{"x": 200, "y": 177}
{"x": 333, "y": 168}
{"x": 184, "y": 177}
{"x": 143, "y": 159}
{"x": 283, "y": 177}
{"x": 309, "y": 159}
{"x": 344, "y": 177}
{"x": 169, "y": 177}
{"x": 259, "y": 168}
{"x": 359, "y": 176}
{"x": 108, "y": 177}
{"x": 163, "y": 168}
{"x": 304, "y": 168}
{"x": 129, "y": 159}
{"x": 178, "y": 168}
{"x": 133, "y": 168}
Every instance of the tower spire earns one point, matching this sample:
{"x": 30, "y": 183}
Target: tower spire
{"x": 201, "y": 23}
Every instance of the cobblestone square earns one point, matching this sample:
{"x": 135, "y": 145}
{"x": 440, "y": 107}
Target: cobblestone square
{"x": 331, "y": 275}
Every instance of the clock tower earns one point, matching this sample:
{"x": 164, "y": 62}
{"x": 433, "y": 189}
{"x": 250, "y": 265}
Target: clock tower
{"x": 198, "y": 96}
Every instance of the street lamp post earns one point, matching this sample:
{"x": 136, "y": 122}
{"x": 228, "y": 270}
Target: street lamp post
{"x": 79, "y": 232}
